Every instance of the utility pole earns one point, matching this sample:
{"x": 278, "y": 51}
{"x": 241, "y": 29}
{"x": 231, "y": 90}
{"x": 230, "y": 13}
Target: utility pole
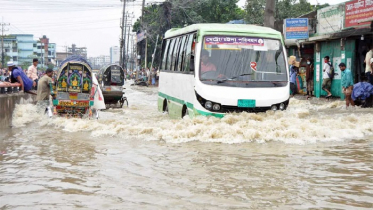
{"x": 124, "y": 42}
{"x": 41, "y": 54}
{"x": 155, "y": 50}
{"x": 142, "y": 12}
{"x": 2, "y": 43}
{"x": 146, "y": 50}
{"x": 128, "y": 44}
{"x": 122, "y": 37}
{"x": 269, "y": 14}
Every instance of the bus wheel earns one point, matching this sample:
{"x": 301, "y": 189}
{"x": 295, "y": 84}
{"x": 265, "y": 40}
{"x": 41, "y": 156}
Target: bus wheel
{"x": 165, "y": 106}
{"x": 184, "y": 112}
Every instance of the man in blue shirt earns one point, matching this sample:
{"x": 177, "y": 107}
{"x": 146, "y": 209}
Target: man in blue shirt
{"x": 293, "y": 80}
{"x": 19, "y": 76}
{"x": 347, "y": 84}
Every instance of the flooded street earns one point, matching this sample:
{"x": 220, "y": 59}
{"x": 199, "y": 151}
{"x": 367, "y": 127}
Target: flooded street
{"x": 315, "y": 155}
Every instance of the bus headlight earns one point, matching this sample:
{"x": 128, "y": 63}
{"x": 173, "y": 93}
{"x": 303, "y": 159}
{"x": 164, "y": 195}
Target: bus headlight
{"x": 273, "y": 107}
{"x": 282, "y": 106}
{"x": 208, "y": 105}
{"x": 216, "y": 107}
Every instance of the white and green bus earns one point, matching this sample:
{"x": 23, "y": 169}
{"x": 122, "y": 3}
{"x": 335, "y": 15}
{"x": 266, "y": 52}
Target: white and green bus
{"x": 214, "y": 69}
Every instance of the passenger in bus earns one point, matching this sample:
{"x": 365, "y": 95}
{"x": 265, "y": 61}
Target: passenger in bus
{"x": 206, "y": 65}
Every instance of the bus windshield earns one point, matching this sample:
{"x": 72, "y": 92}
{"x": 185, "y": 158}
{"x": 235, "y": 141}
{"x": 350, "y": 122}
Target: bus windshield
{"x": 234, "y": 61}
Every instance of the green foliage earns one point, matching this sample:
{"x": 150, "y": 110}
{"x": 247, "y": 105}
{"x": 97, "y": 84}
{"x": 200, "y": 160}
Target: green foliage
{"x": 25, "y": 64}
{"x": 50, "y": 66}
{"x": 255, "y": 11}
{"x": 284, "y": 9}
{"x": 159, "y": 18}
{"x": 292, "y": 8}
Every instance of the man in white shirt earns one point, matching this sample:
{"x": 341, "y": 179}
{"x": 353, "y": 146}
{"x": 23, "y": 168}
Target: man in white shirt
{"x": 327, "y": 81}
{"x": 368, "y": 68}
{"x": 32, "y": 72}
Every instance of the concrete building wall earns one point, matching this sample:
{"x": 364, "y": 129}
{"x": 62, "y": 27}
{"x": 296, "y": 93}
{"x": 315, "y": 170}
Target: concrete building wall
{"x": 8, "y": 104}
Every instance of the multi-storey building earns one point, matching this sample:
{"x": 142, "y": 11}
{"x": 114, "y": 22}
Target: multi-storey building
{"x": 114, "y": 54}
{"x": 74, "y": 50}
{"x": 19, "y": 48}
{"x": 22, "y": 48}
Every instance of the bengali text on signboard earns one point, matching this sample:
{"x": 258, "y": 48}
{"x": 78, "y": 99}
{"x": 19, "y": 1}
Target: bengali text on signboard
{"x": 233, "y": 40}
{"x": 330, "y": 20}
{"x": 358, "y": 13}
{"x": 296, "y": 28}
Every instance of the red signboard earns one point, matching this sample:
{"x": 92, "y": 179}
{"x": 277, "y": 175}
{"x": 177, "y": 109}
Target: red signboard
{"x": 358, "y": 13}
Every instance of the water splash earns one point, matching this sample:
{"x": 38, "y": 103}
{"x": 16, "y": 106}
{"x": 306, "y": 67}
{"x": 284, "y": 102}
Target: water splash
{"x": 303, "y": 122}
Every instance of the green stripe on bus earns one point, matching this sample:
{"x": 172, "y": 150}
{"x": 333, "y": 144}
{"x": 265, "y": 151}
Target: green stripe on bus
{"x": 189, "y": 105}
{"x": 210, "y": 114}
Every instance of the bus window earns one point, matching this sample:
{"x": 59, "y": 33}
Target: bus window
{"x": 169, "y": 55}
{"x": 179, "y": 66}
{"x": 164, "y": 51}
{"x": 189, "y": 61}
{"x": 175, "y": 54}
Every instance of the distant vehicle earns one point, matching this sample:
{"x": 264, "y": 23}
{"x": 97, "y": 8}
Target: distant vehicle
{"x": 77, "y": 91}
{"x": 214, "y": 69}
{"x": 111, "y": 79}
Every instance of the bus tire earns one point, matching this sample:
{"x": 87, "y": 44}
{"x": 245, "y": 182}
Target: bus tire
{"x": 165, "y": 106}
{"x": 184, "y": 111}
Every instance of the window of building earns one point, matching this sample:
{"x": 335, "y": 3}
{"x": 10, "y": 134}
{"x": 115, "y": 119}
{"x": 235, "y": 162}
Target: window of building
{"x": 15, "y": 58}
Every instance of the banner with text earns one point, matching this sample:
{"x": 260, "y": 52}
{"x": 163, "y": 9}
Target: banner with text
{"x": 330, "y": 19}
{"x": 359, "y": 13}
{"x": 296, "y": 28}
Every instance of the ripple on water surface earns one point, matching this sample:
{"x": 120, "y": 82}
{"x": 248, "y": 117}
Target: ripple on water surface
{"x": 312, "y": 156}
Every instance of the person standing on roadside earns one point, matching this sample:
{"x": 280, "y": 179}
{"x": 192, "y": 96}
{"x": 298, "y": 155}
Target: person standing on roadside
{"x": 293, "y": 78}
{"x": 347, "y": 84}
{"x": 327, "y": 81}
{"x": 309, "y": 77}
{"x": 368, "y": 67}
{"x": 32, "y": 72}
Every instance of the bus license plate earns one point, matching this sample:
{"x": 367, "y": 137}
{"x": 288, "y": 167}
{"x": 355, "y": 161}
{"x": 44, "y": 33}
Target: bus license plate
{"x": 246, "y": 103}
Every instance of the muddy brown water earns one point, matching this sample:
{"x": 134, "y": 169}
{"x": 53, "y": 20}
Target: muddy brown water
{"x": 313, "y": 156}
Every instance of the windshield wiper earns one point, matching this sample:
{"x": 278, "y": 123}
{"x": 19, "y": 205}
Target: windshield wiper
{"x": 223, "y": 80}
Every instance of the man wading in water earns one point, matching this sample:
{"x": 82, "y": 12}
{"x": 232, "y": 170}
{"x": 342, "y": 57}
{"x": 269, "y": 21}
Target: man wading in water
{"x": 44, "y": 89}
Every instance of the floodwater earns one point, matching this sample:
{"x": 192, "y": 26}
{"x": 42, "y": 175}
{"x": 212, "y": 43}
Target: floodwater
{"x": 315, "y": 155}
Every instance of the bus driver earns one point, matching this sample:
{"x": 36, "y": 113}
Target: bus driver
{"x": 206, "y": 65}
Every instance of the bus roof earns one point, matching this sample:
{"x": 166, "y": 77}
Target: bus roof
{"x": 223, "y": 28}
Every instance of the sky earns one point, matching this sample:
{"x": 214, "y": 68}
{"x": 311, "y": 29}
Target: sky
{"x": 87, "y": 23}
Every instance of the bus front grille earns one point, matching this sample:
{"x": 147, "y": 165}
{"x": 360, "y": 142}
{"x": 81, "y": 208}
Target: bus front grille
{"x": 232, "y": 109}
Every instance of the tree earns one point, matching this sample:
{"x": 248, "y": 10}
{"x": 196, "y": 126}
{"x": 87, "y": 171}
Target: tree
{"x": 159, "y": 18}
{"x": 254, "y": 11}
{"x": 283, "y": 9}
{"x": 269, "y": 14}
